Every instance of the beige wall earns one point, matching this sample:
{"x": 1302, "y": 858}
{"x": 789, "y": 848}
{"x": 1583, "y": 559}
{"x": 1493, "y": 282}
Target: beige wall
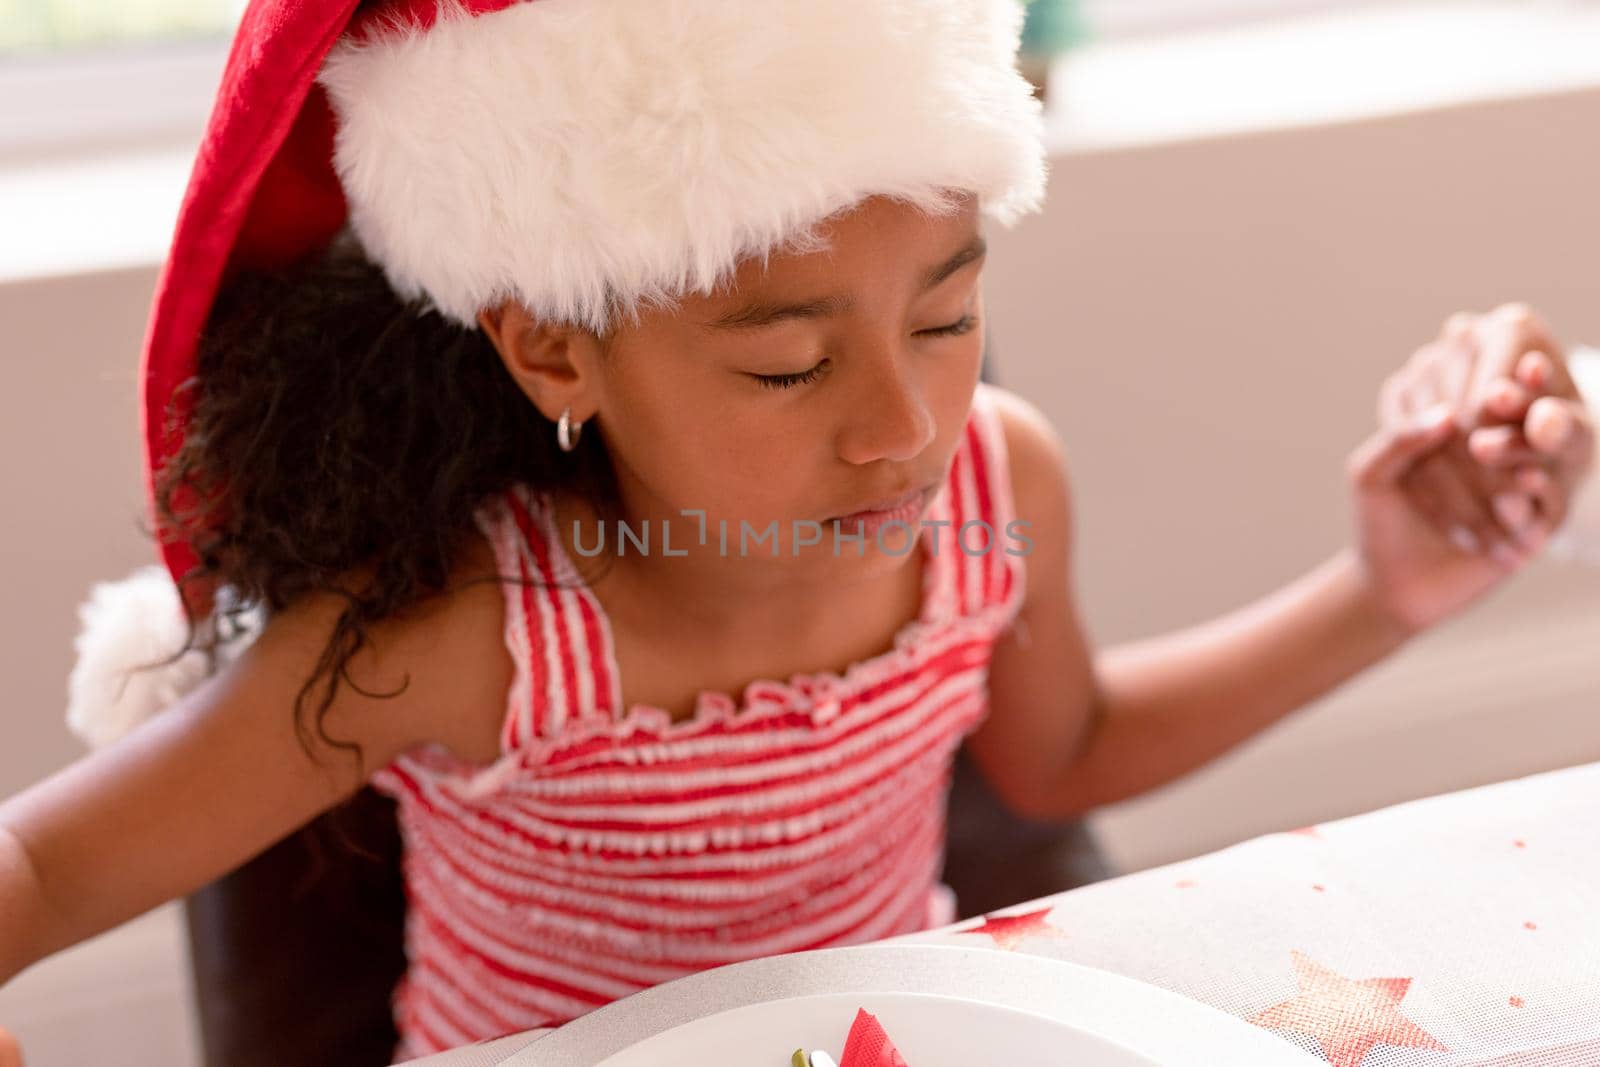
{"x": 69, "y": 432}
{"x": 1207, "y": 324}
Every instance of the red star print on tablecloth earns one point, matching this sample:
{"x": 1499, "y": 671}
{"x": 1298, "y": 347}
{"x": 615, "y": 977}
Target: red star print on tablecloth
{"x": 1008, "y": 930}
{"x": 1346, "y": 1016}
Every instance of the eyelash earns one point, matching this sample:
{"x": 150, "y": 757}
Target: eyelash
{"x": 962, "y": 325}
{"x": 789, "y": 381}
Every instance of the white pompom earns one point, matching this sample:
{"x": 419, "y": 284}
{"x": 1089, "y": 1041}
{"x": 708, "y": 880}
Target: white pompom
{"x": 126, "y": 624}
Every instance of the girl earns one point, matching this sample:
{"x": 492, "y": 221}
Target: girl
{"x": 708, "y": 270}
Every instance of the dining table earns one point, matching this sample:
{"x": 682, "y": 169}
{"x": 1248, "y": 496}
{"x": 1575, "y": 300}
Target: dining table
{"x": 1460, "y": 930}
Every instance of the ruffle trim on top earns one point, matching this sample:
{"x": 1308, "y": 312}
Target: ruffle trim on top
{"x": 816, "y": 697}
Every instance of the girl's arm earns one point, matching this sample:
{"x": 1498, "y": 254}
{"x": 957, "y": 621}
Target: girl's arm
{"x": 1068, "y": 732}
{"x": 221, "y": 775}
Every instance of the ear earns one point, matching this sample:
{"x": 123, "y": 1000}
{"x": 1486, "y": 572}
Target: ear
{"x": 556, "y": 365}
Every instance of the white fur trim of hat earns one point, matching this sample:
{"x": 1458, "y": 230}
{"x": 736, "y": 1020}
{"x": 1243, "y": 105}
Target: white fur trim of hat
{"x": 126, "y": 624}
{"x": 591, "y": 156}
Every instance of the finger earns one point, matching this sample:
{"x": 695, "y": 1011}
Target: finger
{"x": 1422, "y": 486}
{"x": 1534, "y": 372}
{"x": 1549, "y": 500}
{"x": 1461, "y": 324}
{"x": 1454, "y": 363}
{"x": 1506, "y": 400}
{"x": 1510, "y": 487}
{"x": 1553, "y": 426}
{"x": 1577, "y": 456}
{"x": 1515, "y": 511}
{"x": 1504, "y": 336}
{"x": 1552, "y": 374}
{"x": 1384, "y": 457}
{"x": 1438, "y": 372}
{"x": 1411, "y": 388}
{"x": 1501, "y": 447}
{"x": 1522, "y": 324}
{"x": 1551, "y": 423}
{"x": 1493, "y": 489}
{"x": 1449, "y": 485}
{"x": 1497, "y": 357}
{"x": 1525, "y": 517}
{"x": 10, "y": 1054}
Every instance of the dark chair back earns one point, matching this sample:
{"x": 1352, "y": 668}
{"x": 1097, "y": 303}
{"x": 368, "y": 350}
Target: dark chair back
{"x": 294, "y": 955}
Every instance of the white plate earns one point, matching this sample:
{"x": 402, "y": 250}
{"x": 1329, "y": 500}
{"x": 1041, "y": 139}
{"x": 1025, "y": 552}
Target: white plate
{"x": 929, "y": 1031}
{"x": 942, "y": 1005}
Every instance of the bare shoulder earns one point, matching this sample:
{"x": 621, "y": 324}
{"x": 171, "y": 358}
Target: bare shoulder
{"x": 436, "y": 672}
{"x": 1037, "y": 462}
{"x": 1041, "y": 674}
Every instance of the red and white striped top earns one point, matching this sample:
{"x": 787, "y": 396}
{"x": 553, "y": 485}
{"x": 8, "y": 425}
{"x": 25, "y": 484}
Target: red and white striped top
{"x": 605, "y": 852}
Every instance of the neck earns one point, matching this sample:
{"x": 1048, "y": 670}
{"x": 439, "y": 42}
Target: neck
{"x": 712, "y": 592}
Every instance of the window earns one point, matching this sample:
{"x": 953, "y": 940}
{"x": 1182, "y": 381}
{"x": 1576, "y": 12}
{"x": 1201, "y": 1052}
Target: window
{"x": 52, "y": 27}
{"x": 108, "y": 75}
{"x": 1117, "y": 18}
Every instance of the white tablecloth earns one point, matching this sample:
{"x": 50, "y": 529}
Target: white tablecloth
{"x": 1454, "y": 931}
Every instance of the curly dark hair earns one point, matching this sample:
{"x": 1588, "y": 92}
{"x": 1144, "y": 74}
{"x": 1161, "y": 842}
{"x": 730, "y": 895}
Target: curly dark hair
{"x": 338, "y": 430}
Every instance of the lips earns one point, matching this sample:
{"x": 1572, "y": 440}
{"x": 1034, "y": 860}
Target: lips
{"x": 892, "y": 504}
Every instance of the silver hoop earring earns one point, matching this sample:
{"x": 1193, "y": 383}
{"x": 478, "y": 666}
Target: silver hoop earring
{"x": 567, "y": 431}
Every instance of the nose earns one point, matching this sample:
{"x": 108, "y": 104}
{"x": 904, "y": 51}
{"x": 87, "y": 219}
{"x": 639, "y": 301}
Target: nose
{"x": 888, "y": 417}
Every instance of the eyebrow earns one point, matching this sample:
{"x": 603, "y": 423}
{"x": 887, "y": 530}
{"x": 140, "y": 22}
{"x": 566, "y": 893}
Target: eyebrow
{"x": 759, "y": 313}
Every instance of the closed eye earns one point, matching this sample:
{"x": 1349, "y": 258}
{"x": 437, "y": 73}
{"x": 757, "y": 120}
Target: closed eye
{"x": 789, "y": 381}
{"x": 955, "y": 329}
{"x": 962, "y": 325}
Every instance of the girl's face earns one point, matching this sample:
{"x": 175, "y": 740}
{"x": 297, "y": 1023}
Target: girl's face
{"x": 812, "y": 387}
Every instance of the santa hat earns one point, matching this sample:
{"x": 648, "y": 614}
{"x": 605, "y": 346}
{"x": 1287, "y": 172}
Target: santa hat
{"x": 583, "y": 157}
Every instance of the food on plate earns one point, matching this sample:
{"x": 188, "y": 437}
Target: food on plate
{"x": 866, "y": 1046}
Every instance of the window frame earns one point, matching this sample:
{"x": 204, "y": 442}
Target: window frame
{"x": 1111, "y": 19}
{"x": 98, "y": 100}
{"x": 104, "y": 99}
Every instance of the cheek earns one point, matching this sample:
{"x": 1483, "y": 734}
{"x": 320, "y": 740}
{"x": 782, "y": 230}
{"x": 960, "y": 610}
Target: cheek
{"x": 756, "y": 465}
{"x": 736, "y": 462}
{"x": 950, "y": 386}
